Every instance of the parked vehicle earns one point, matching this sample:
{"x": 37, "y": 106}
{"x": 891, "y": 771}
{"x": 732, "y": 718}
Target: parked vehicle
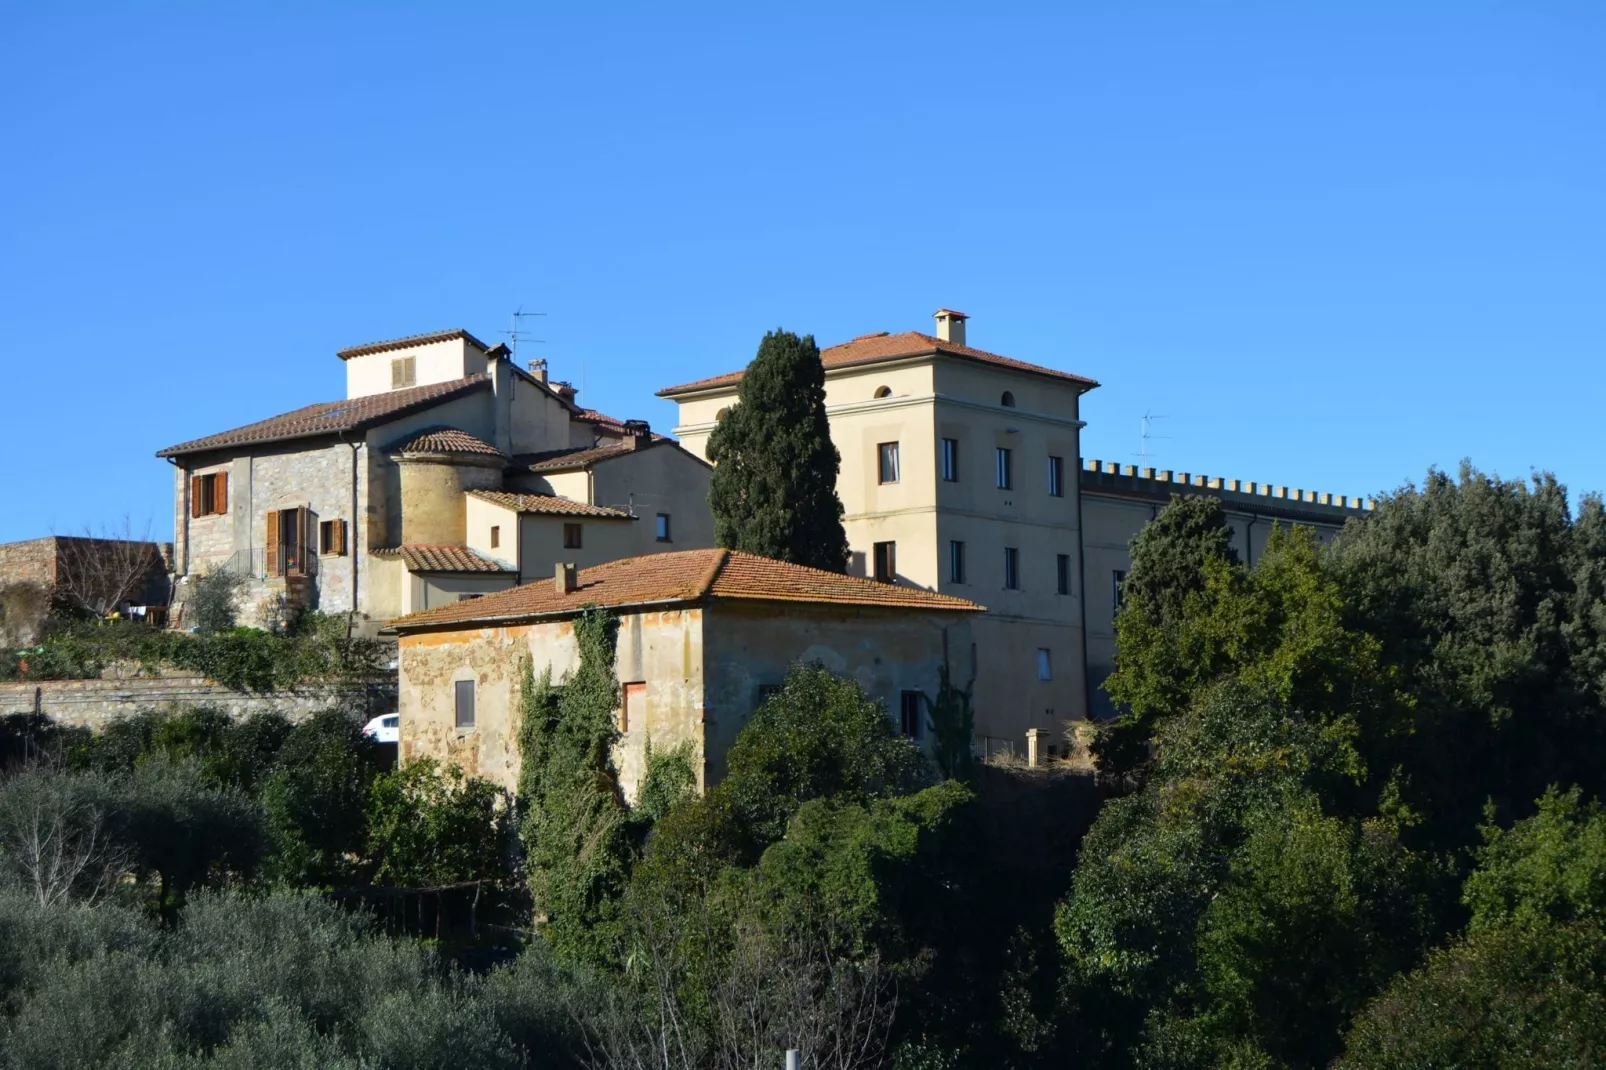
{"x": 384, "y": 729}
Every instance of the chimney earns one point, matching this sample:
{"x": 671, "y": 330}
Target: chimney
{"x": 538, "y": 368}
{"x": 638, "y": 434}
{"x": 564, "y": 390}
{"x": 950, "y": 325}
{"x": 564, "y": 577}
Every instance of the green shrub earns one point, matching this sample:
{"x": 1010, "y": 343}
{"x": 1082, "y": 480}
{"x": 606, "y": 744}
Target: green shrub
{"x": 429, "y": 827}
{"x": 211, "y": 600}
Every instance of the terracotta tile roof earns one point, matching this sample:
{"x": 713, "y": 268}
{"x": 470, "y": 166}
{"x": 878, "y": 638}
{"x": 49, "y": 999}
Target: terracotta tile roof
{"x": 875, "y": 348}
{"x": 547, "y": 505}
{"x": 444, "y": 440}
{"x": 571, "y": 458}
{"x": 329, "y": 417}
{"x": 404, "y": 343}
{"x": 685, "y": 576}
{"x": 441, "y": 559}
{"x": 602, "y": 421}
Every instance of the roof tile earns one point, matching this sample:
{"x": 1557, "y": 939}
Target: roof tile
{"x": 547, "y": 505}
{"x": 445, "y": 440}
{"x": 874, "y": 348}
{"x": 685, "y": 576}
{"x": 411, "y": 340}
{"x": 330, "y": 417}
{"x": 442, "y": 559}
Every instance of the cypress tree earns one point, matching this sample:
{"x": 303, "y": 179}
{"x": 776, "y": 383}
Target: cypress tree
{"x": 774, "y": 485}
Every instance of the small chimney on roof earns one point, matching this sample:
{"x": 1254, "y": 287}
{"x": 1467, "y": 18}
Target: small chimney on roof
{"x": 950, "y": 325}
{"x": 638, "y": 434}
{"x": 564, "y": 577}
{"x": 538, "y": 368}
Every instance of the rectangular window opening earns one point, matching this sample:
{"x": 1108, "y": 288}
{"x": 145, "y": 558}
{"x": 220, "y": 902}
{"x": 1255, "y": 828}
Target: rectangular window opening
{"x": 287, "y": 544}
{"x": 950, "y": 460}
{"x": 1062, "y": 567}
{"x": 464, "y": 693}
{"x": 403, "y": 372}
{"x": 571, "y": 537}
{"x": 956, "y": 561}
{"x": 209, "y": 494}
{"x": 332, "y": 537}
{"x": 1056, "y": 477}
{"x": 663, "y": 528}
{"x": 887, "y": 462}
{"x": 1011, "y": 568}
{"x": 911, "y": 714}
{"x": 886, "y": 562}
{"x": 496, "y": 536}
{"x": 1006, "y": 469}
{"x": 1045, "y": 670}
{"x": 633, "y": 714}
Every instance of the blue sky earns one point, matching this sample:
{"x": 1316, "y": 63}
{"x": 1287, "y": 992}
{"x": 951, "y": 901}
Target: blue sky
{"x": 1332, "y": 244}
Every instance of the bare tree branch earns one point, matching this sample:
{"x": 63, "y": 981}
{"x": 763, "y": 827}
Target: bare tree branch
{"x": 99, "y": 571}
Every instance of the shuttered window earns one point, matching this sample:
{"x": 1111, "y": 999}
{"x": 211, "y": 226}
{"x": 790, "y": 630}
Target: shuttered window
{"x": 332, "y": 537}
{"x": 403, "y": 372}
{"x": 209, "y": 494}
{"x": 288, "y": 541}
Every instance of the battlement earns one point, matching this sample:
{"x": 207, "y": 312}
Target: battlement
{"x": 1129, "y": 477}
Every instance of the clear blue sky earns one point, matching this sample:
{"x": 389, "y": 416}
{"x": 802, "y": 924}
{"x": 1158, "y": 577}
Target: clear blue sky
{"x": 1333, "y": 246}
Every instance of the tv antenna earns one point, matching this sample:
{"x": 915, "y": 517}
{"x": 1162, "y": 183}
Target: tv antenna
{"x": 1146, "y": 435}
{"x": 519, "y": 334}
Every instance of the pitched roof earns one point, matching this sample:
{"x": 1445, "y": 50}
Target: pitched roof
{"x": 444, "y": 440}
{"x": 875, "y": 348}
{"x": 441, "y": 559}
{"x": 548, "y": 505}
{"x": 405, "y": 343}
{"x": 329, "y": 417}
{"x": 685, "y": 576}
{"x": 571, "y": 458}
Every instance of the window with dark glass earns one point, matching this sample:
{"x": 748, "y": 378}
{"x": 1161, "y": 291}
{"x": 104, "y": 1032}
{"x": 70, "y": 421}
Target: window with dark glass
{"x": 1062, "y": 571}
{"x": 956, "y": 561}
{"x": 571, "y": 536}
{"x": 464, "y": 694}
{"x": 911, "y": 714}
{"x": 1012, "y": 568}
{"x": 1045, "y": 670}
{"x": 950, "y": 460}
{"x": 887, "y": 454}
{"x": 1006, "y": 469}
{"x": 1056, "y": 477}
{"x": 886, "y": 561}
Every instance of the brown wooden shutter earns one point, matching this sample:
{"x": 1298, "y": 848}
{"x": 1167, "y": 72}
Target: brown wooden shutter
{"x": 340, "y": 534}
{"x": 220, "y": 493}
{"x": 272, "y": 542}
{"x": 309, "y": 533}
{"x": 195, "y": 496}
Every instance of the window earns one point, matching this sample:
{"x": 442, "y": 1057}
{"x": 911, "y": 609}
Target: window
{"x": 887, "y": 453}
{"x": 496, "y": 536}
{"x": 883, "y": 391}
{"x": 1062, "y": 572}
{"x": 209, "y": 494}
{"x": 1118, "y": 601}
{"x": 634, "y": 711}
{"x": 950, "y": 460}
{"x": 571, "y": 536}
{"x": 1056, "y": 477}
{"x": 1011, "y": 568}
{"x": 1006, "y": 469}
{"x": 403, "y": 372}
{"x": 1008, "y": 400}
{"x": 1045, "y": 671}
{"x": 956, "y": 561}
{"x": 332, "y": 537}
{"x": 663, "y": 528}
{"x": 886, "y": 561}
{"x": 464, "y": 690}
{"x": 289, "y": 533}
{"x": 911, "y": 714}
{"x": 393, "y": 721}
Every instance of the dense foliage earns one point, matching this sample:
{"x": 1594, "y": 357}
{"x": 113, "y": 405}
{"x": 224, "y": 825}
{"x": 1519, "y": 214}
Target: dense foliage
{"x": 773, "y": 491}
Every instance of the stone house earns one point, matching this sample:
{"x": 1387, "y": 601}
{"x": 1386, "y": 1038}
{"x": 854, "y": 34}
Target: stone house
{"x": 962, "y": 474}
{"x": 445, "y": 472}
{"x": 704, "y": 636}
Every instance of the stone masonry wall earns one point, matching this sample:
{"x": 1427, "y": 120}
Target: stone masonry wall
{"x": 93, "y": 703}
{"x": 33, "y": 561}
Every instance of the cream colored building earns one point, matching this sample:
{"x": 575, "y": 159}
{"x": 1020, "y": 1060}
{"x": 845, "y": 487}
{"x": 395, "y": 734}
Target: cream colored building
{"x": 704, "y": 636}
{"x": 446, "y": 472}
{"x": 959, "y": 475}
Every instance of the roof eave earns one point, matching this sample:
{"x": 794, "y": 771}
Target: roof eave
{"x": 1081, "y": 383}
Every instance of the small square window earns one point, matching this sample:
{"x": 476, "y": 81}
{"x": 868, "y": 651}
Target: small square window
{"x": 1011, "y": 568}
{"x": 1062, "y": 568}
{"x": 663, "y": 528}
{"x": 887, "y": 471}
{"x": 571, "y": 536}
{"x": 496, "y": 536}
{"x": 332, "y": 537}
{"x": 911, "y": 714}
{"x": 950, "y": 460}
{"x": 464, "y": 693}
{"x": 886, "y": 561}
{"x": 1045, "y": 671}
{"x": 956, "y": 561}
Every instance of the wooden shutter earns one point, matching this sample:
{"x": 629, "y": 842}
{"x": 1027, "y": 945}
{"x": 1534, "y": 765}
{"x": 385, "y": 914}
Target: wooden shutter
{"x": 220, "y": 493}
{"x": 272, "y": 542}
{"x": 195, "y": 496}
{"x": 308, "y": 533}
{"x": 340, "y": 536}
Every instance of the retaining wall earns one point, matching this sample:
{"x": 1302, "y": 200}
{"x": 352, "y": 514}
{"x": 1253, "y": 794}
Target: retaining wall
{"x": 92, "y": 703}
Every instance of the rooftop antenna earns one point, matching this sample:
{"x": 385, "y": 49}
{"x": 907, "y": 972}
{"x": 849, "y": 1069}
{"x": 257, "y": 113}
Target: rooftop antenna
{"x": 1146, "y": 435}
{"x": 518, "y": 333}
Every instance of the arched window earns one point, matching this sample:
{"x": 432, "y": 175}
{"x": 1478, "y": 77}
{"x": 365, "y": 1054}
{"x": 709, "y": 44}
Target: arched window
{"x": 883, "y": 391}
{"x": 1008, "y": 400}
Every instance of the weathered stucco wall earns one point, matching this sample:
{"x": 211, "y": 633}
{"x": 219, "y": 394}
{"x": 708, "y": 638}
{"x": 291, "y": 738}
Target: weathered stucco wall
{"x": 662, "y": 650}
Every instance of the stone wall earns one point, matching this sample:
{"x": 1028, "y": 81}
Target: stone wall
{"x": 33, "y": 561}
{"x": 94, "y": 703}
